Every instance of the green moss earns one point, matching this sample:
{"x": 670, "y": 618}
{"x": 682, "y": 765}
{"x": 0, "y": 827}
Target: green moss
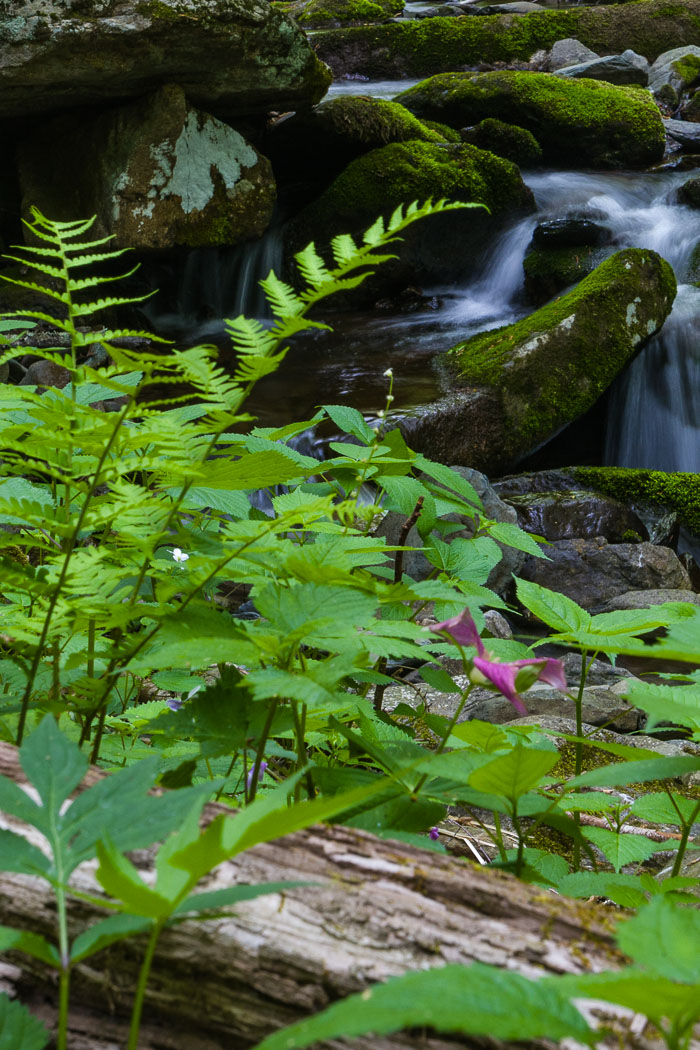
{"x": 446, "y": 133}
{"x": 366, "y": 122}
{"x": 323, "y": 13}
{"x": 688, "y": 68}
{"x": 505, "y": 140}
{"x": 607, "y": 125}
{"x": 679, "y": 491}
{"x": 550, "y": 271}
{"x": 552, "y": 366}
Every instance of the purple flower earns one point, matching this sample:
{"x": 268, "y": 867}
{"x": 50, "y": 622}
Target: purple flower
{"x": 510, "y": 678}
{"x": 434, "y": 834}
{"x": 251, "y": 774}
{"x": 174, "y": 703}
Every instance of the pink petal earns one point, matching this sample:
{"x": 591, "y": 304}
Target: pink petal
{"x": 553, "y": 674}
{"x": 503, "y": 677}
{"x": 463, "y": 630}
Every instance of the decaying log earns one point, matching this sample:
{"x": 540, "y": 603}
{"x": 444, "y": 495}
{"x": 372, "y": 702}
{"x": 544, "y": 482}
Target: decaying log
{"x": 379, "y": 908}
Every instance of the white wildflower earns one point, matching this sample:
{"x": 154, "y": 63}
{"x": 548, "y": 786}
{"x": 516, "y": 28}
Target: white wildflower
{"x": 179, "y": 556}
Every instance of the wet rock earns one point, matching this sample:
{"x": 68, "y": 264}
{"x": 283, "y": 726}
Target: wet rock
{"x": 593, "y": 572}
{"x": 614, "y": 69}
{"x": 646, "y": 599}
{"x": 674, "y": 72}
{"x": 567, "y": 52}
{"x": 685, "y": 132}
{"x": 689, "y": 193}
{"x": 570, "y": 233}
{"x": 232, "y": 57}
{"x": 505, "y": 140}
{"x": 549, "y": 272}
{"x": 567, "y": 726}
{"x": 691, "y": 110}
{"x": 599, "y": 672}
{"x": 569, "y": 515}
{"x": 575, "y": 121}
{"x": 511, "y": 389}
{"x": 46, "y": 374}
{"x": 156, "y": 173}
{"x": 440, "y": 248}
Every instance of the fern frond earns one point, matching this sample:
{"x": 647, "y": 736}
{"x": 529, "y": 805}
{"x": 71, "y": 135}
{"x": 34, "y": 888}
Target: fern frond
{"x": 282, "y": 298}
{"x": 85, "y": 309}
{"x": 312, "y": 267}
{"x": 376, "y": 232}
{"x": 92, "y": 282}
{"x": 88, "y": 260}
{"x": 344, "y": 248}
{"x": 50, "y": 271}
{"x": 249, "y": 336}
{"x": 31, "y": 286}
{"x": 37, "y": 315}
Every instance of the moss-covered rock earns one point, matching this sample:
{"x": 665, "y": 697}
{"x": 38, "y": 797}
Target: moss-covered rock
{"x": 156, "y": 174}
{"x": 513, "y": 388}
{"x": 309, "y": 149}
{"x": 442, "y": 248}
{"x": 575, "y": 121}
{"x": 435, "y": 45}
{"x": 679, "y": 491}
{"x": 673, "y": 72}
{"x": 505, "y": 140}
{"x": 326, "y": 14}
{"x": 549, "y": 271}
{"x": 689, "y": 192}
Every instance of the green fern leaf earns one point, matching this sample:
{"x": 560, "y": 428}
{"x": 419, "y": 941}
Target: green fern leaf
{"x": 281, "y": 297}
{"x": 344, "y": 248}
{"x": 312, "y": 267}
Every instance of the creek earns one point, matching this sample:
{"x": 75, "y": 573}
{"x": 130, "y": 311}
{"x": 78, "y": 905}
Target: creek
{"x": 653, "y": 409}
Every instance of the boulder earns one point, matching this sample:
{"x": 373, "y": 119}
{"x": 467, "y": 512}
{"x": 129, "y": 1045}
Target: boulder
{"x": 511, "y": 389}
{"x": 157, "y": 173}
{"x": 637, "y": 60}
{"x": 689, "y": 192}
{"x": 691, "y": 110}
{"x": 442, "y": 248}
{"x": 685, "y": 132}
{"x": 577, "y": 514}
{"x": 645, "y": 599}
{"x": 614, "y": 69}
{"x": 570, "y": 233}
{"x": 674, "y": 72}
{"x": 644, "y": 489}
{"x": 311, "y": 148}
{"x": 420, "y": 48}
{"x": 550, "y": 271}
{"x": 231, "y": 56}
{"x": 505, "y": 140}
{"x": 323, "y": 14}
{"x": 592, "y": 572}
{"x": 567, "y": 52}
{"x": 575, "y": 121}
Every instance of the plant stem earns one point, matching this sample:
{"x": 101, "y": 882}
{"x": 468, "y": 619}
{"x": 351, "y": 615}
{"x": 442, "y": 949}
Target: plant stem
{"x": 578, "y": 752}
{"x": 447, "y": 734}
{"x": 683, "y": 844}
{"x": 260, "y": 754}
{"x": 64, "y": 972}
{"x": 144, "y": 974}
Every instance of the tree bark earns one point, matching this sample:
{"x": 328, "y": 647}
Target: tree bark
{"x": 379, "y": 908}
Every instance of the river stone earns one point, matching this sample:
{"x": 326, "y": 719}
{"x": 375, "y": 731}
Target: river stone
{"x": 157, "y": 173}
{"x": 568, "y": 52}
{"x": 645, "y": 599}
{"x": 231, "y": 56}
{"x": 549, "y": 272}
{"x": 576, "y": 122}
{"x": 685, "y": 132}
{"x": 637, "y": 60}
{"x": 614, "y": 69}
{"x": 689, "y": 192}
{"x": 569, "y": 233}
{"x": 599, "y": 672}
{"x": 505, "y": 140}
{"x": 571, "y": 515}
{"x": 509, "y": 390}
{"x": 593, "y": 572}
{"x": 674, "y": 72}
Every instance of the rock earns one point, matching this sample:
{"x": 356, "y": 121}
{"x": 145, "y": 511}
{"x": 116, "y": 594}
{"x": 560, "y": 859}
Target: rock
{"x": 574, "y": 121}
{"x": 570, "y": 233}
{"x": 311, "y": 148}
{"x": 599, "y": 672}
{"x": 418, "y": 566}
{"x": 513, "y": 388}
{"x": 685, "y": 132}
{"x": 46, "y": 374}
{"x": 645, "y": 599}
{"x": 637, "y": 60}
{"x": 673, "y": 72}
{"x": 689, "y": 192}
{"x": 516, "y": 7}
{"x": 601, "y": 707}
{"x": 326, "y": 14}
{"x": 230, "y": 56}
{"x": 642, "y": 489}
{"x": 505, "y": 140}
{"x": 691, "y": 110}
{"x": 156, "y": 173}
{"x": 547, "y": 273}
{"x": 567, "y": 52}
{"x": 439, "y": 249}
{"x": 567, "y": 726}
{"x": 614, "y": 69}
{"x": 592, "y": 572}
{"x": 571, "y": 515}
{"x": 419, "y": 49}
{"x": 497, "y": 625}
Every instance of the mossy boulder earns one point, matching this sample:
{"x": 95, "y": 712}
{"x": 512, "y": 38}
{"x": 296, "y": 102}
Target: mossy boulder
{"x": 232, "y": 57}
{"x": 156, "y": 174}
{"x": 505, "y": 140}
{"x": 689, "y": 192}
{"x": 574, "y": 121}
{"x": 512, "y": 389}
{"x": 680, "y": 491}
{"x": 436, "y": 45}
{"x": 311, "y": 148}
{"x": 674, "y": 72}
{"x": 325, "y": 14}
{"x": 441, "y": 248}
{"x": 551, "y": 270}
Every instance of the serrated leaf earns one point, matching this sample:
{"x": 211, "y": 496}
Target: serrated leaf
{"x": 19, "y": 1030}
{"x": 659, "y": 808}
{"x": 622, "y": 849}
{"x": 513, "y": 536}
{"x": 350, "y": 421}
{"x": 107, "y": 932}
{"x": 121, "y": 880}
{"x": 663, "y": 938}
{"x": 17, "y": 854}
{"x": 513, "y": 774}
{"x": 662, "y": 767}
{"x": 53, "y": 764}
{"x": 554, "y": 609}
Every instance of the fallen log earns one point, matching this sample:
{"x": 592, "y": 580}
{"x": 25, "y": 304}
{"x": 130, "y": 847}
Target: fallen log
{"x": 379, "y": 908}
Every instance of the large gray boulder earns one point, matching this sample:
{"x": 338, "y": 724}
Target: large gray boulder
{"x": 614, "y": 69}
{"x": 567, "y": 52}
{"x": 156, "y": 174}
{"x": 508, "y": 391}
{"x": 231, "y": 56}
{"x": 673, "y": 72}
{"x": 577, "y": 515}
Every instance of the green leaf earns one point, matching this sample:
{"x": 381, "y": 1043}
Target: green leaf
{"x": 29, "y": 943}
{"x": 663, "y": 938}
{"x": 513, "y": 536}
{"x": 652, "y": 996}
{"x": 350, "y": 421}
{"x": 106, "y": 932}
{"x": 19, "y": 1030}
{"x": 659, "y": 808}
{"x": 16, "y": 854}
{"x": 679, "y": 705}
{"x": 622, "y": 849}
{"x": 554, "y": 609}
{"x": 475, "y": 1000}
{"x": 254, "y": 470}
{"x": 54, "y": 765}
{"x": 214, "y": 900}
{"x": 120, "y": 879}
{"x": 513, "y": 774}
{"x": 661, "y": 768}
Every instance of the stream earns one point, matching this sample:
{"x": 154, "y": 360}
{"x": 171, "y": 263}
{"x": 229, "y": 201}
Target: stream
{"x": 653, "y": 417}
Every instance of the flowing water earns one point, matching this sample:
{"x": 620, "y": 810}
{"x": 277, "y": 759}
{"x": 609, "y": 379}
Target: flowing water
{"x": 654, "y": 416}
